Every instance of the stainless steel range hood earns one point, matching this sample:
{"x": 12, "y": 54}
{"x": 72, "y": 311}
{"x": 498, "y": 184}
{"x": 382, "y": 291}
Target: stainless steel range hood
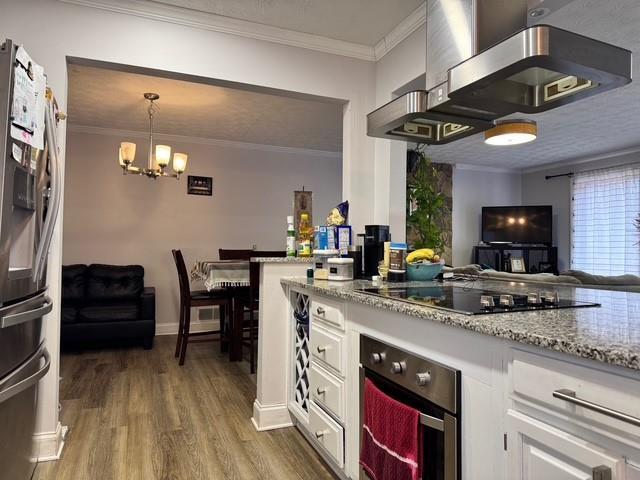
{"x": 535, "y": 69}
{"x": 408, "y": 118}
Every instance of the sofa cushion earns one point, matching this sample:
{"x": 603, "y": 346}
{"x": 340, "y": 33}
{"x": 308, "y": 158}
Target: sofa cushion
{"x": 68, "y": 315}
{"x": 549, "y": 278}
{"x": 114, "y": 282}
{"x": 109, "y": 313}
{"x": 73, "y": 283}
{"x": 617, "y": 280}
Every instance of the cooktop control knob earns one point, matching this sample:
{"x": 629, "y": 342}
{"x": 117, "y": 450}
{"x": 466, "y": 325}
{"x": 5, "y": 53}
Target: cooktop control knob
{"x": 486, "y": 302}
{"x": 506, "y": 301}
{"x": 533, "y": 299}
{"x": 550, "y": 297}
{"x": 423, "y": 378}
{"x": 376, "y": 357}
{"x": 398, "y": 367}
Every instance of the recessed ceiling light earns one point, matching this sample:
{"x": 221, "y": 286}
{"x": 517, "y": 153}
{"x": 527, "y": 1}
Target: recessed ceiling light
{"x": 511, "y": 132}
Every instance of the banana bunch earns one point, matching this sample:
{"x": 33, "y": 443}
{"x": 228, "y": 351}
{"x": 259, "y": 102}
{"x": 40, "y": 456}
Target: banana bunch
{"x": 421, "y": 255}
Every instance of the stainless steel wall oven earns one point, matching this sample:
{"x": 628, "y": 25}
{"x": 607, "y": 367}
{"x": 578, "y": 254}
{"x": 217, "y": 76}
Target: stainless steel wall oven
{"x": 428, "y": 386}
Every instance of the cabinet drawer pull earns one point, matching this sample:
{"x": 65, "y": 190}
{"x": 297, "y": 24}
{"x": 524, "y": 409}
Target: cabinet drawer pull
{"x": 570, "y": 396}
{"x": 320, "y": 434}
{"x": 320, "y": 311}
{"x": 321, "y": 391}
{"x": 320, "y": 349}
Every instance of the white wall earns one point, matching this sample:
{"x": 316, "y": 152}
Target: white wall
{"x": 400, "y": 66}
{"x": 474, "y": 188}
{"x": 56, "y": 30}
{"x": 557, "y": 193}
{"x": 113, "y": 219}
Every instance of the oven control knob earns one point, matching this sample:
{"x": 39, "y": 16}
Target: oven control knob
{"x": 423, "y": 378}
{"x": 376, "y": 358}
{"x": 398, "y": 367}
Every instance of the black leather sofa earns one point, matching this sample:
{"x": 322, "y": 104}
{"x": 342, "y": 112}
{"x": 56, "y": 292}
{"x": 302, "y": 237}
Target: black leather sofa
{"x": 106, "y": 302}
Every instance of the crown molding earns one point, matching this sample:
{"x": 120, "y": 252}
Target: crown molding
{"x": 217, "y": 23}
{"x": 405, "y": 28}
{"x": 114, "y": 132}
{"x": 578, "y": 161}
{"x": 485, "y": 168}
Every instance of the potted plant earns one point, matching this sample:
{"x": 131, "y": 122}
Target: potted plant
{"x": 426, "y": 205}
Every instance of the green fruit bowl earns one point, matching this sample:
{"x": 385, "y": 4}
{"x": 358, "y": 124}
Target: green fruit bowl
{"x": 423, "y": 271}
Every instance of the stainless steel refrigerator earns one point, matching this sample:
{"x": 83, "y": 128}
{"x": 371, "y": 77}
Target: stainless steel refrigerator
{"x": 29, "y": 199}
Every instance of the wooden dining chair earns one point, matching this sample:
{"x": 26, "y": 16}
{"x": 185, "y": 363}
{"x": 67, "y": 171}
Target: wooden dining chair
{"x": 198, "y": 298}
{"x": 248, "y": 300}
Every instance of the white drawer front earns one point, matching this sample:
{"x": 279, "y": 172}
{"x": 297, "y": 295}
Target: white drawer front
{"x": 327, "y": 433}
{"x": 327, "y": 390}
{"x": 328, "y": 311}
{"x": 537, "y": 377}
{"x": 327, "y": 346}
{"x": 538, "y": 451}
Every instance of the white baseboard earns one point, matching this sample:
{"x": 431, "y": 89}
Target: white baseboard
{"x": 196, "y": 326}
{"x": 49, "y": 445}
{"x": 270, "y": 417}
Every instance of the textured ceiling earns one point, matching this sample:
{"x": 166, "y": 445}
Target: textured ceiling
{"x": 600, "y": 124}
{"x": 113, "y": 99}
{"x": 358, "y": 21}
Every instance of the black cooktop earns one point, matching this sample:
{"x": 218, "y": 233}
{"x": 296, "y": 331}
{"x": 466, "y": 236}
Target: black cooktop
{"x": 475, "y": 301}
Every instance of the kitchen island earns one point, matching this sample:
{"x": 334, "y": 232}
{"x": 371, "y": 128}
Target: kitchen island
{"x": 514, "y": 423}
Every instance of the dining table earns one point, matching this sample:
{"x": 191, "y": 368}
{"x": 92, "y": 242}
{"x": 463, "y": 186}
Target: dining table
{"x": 232, "y": 276}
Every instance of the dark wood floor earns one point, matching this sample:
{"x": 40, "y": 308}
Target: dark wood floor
{"x": 135, "y": 414}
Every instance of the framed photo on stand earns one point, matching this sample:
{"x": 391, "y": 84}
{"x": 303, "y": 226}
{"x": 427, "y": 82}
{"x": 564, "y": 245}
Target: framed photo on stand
{"x": 517, "y": 265}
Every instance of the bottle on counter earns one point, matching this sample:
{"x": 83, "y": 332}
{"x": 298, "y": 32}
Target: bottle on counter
{"x": 305, "y": 236}
{"x": 291, "y": 237}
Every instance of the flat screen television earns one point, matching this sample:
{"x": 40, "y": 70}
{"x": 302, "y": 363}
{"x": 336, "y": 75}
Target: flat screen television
{"x": 517, "y": 224}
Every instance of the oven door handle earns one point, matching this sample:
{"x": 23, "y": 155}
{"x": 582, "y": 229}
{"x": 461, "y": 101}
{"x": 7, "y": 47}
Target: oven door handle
{"x": 432, "y": 422}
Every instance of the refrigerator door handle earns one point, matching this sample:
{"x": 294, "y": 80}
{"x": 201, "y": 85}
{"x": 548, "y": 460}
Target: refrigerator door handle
{"x": 44, "y": 307}
{"x": 52, "y": 214}
{"x": 7, "y": 393}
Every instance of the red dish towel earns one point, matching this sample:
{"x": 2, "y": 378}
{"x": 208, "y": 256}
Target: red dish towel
{"x": 391, "y": 437}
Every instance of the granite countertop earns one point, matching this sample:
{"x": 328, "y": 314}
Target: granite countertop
{"x": 609, "y": 334}
{"x": 282, "y": 259}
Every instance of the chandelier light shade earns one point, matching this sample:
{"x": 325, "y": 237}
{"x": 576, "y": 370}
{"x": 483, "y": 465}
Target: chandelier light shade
{"x": 159, "y": 156}
{"x": 163, "y": 155}
{"x": 180, "y": 162}
{"x": 511, "y": 132}
{"x": 127, "y": 152}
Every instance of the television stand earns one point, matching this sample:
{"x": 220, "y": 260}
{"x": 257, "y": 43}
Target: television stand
{"x": 537, "y": 258}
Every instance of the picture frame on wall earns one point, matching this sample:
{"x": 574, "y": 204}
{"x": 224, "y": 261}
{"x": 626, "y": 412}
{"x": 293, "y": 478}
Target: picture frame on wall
{"x": 199, "y": 185}
{"x": 517, "y": 265}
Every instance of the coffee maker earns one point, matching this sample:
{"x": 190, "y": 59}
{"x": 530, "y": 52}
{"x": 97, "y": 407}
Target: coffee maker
{"x": 374, "y": 238}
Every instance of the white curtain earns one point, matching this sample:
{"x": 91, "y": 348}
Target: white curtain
{"x": 605, "y": 204}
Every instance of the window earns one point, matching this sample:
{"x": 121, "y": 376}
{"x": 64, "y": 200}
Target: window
{"x": 605, "y": 204}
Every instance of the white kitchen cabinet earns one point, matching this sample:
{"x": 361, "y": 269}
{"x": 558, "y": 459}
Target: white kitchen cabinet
{"x": 327, "y": 347}
{"x": 327, "y": 390}
{"x": 328, "y": 433}
{"x": 540, "y": 451}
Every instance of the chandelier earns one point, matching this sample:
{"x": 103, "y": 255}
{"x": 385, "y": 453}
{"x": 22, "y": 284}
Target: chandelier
{"x": 162, "y": 155}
